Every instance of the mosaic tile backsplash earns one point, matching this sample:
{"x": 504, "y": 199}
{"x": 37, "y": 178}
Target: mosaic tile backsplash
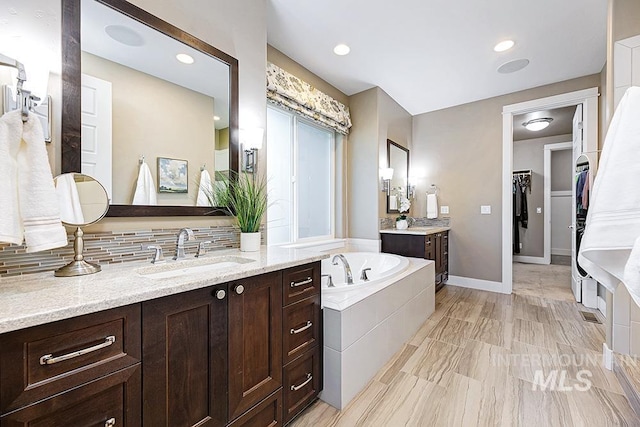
{"x": 386, "y": 223}
{"x": 114, "y": 247}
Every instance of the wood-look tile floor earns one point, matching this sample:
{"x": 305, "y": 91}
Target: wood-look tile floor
{"x": 476, "y": 361}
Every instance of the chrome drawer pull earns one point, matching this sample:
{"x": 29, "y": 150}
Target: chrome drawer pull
{"x": 48, "y": 359}
{"x": 110, "y": 422}
{"x": 302, "y": 283}
{"x": 304, "y": 328}
{"x": 307, "y": 381}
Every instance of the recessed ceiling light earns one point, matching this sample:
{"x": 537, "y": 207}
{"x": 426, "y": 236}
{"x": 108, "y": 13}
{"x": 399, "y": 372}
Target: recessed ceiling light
{"x": 184, "y": 58}
{"x": 124, "y": 35}
{"x": 536, "y": 125}
{"x": 513, "y": 66}
{"x": 504, "y": 45}
{"x": 216, "y": 118}
{"x": 341, "y": 49}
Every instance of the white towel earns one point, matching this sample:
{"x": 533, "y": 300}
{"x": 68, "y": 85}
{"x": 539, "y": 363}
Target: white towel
{"x": 613, "y": 219}
{"x": 28, "y": 203}
{"x": 204, "y": 189}
{"x": 145, "y": 193}
{"x": 432, "y": 206}
{"x": 632, "y": 272}
{"x": 69, "y": 200}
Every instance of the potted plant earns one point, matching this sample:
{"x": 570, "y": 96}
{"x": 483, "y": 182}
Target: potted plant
{"x": 246, "y": 198}
{"x": 401, "y": 221}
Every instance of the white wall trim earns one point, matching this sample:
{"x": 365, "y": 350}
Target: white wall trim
{"x": 602, "y": 306}
{"x": 561, "y": 251}
{"x": 364, "y": 245}
{"x": 587, "y": 97}
{"x": 482, "y": 285}
{"x": 532, "y": 259}
{"x": 548, "y": 148}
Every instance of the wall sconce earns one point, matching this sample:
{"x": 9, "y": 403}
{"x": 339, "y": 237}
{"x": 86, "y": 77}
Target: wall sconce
{"x": 386, "y": 175}
{"x": 251, "y": 140}
{"x": 411, "y": 187}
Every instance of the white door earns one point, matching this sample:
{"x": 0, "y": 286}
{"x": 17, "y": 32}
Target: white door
{"x": 576, "y": 280}
{"x": 96, "y": 130}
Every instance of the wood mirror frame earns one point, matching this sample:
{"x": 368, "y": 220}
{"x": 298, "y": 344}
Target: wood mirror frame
{"x": 71, "y": 103}
{"x": 390, "y": 145}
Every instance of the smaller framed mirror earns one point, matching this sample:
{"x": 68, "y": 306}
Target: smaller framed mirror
{"x": 398, "y": 160}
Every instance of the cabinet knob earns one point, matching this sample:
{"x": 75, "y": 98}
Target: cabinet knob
{"x": 220, "y": 294}
{"x": 239, "y": 289}
{"x": 110, "y": 422}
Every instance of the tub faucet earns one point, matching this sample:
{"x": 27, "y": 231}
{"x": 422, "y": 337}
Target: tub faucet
{"x": 180, "y": 242}
{"x": 345, "y": 265}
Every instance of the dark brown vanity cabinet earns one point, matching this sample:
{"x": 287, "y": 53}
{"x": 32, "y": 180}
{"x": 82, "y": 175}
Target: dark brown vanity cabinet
{"x": 434, "y": 247}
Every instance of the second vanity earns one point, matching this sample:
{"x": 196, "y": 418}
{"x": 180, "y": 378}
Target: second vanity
{"x": 421, "y": 242}
{"x": 238, "y": 347}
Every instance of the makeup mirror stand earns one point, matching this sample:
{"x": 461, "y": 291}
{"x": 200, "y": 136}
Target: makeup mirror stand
{"x": 77, "y": 267}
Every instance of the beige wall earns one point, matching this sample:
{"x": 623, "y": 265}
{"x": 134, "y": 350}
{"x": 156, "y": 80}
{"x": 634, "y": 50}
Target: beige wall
{"x": 237, "y": 28}
{"x": 460, "y": 150}
{"x": 529, "y": 154}
{"x": 178, "y": 121}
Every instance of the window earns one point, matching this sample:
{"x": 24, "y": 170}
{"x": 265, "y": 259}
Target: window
{"x": 301, "y": 164}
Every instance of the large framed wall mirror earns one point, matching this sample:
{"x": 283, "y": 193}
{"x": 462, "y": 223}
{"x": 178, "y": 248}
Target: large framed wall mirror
{"x": 398, "y": 160}
{"x": 137, "y": 89}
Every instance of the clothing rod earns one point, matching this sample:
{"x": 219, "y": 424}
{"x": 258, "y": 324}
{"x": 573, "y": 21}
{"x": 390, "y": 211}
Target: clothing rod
{"x": 583, "y": 164}
{"x": 522, "y": 172}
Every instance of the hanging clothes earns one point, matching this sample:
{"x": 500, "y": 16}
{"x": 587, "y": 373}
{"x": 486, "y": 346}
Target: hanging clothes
{"x": 516, "y": 209}
{"x": 524, "y": 210}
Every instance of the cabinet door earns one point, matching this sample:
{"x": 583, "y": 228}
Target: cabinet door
{"x": 255, "y": 340}
{"x": 185, "y": 358}
{"x": 113, "y": 400}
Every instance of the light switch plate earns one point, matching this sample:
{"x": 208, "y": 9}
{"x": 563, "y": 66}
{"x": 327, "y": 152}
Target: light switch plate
{"x": 538, "y": 210}
{"x": 485, "y": 210}
{"x": 444, "y": 209}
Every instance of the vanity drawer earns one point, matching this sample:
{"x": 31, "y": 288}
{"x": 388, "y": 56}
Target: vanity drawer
{"x": 113, "y": 400}
{"x": 301, "y": 383}
{"x": 301, "y": 328}
{"x": 41, "y": 361}
{"x": 300, "y": 282}
{"x": 267, "y": 413}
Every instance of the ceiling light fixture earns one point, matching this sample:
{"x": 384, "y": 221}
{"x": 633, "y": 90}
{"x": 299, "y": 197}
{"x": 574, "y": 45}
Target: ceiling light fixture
{"x": 536, "y": 125}
{"x": 184, "y": 58}
{"x": 504, "y": 45}
{"x": 341, "y": 49}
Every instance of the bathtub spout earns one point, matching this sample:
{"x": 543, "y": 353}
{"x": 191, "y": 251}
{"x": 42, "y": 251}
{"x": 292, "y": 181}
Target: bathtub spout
{"x": 345, "y": 265}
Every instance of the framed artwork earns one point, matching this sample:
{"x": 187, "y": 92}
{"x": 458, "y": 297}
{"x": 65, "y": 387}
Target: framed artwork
{"x": 172, "y": 175}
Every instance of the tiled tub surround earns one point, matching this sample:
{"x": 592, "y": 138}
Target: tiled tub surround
{"x": 364, "y": 328}
{"x": 36, "y": 299}
{"x": 111, "y": 247}
{"x": 386, "y": 223}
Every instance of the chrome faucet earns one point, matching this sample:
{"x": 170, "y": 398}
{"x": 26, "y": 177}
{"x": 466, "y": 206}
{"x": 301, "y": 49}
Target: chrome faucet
{"x": 180, "y": 242}
{"x": 345, "y": 265}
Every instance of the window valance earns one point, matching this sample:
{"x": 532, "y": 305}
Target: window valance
{"x": 288, "y": 91}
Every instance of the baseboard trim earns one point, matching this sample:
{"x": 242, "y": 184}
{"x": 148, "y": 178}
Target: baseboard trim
{"x": 482, "y": 285}
{"x": 530, "y": 259}
{"x": 560, "y": 251}
{"x": 627, "y": 386}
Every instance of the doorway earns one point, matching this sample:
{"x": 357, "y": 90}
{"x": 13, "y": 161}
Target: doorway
{"x": 588, "y": 99}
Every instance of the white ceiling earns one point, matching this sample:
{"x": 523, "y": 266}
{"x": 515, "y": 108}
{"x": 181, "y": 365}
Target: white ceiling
{"x": 433, "y": 54}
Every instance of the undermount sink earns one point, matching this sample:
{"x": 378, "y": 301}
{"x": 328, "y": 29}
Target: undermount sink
{"x": 181, "y": 268}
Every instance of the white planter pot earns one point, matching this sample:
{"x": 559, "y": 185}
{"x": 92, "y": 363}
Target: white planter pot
{"x": 250, "y": 242}
{"x": 402, "y": 224}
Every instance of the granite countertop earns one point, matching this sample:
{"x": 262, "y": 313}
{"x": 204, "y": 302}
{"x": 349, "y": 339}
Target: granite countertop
{"x": 40, "y": 298}
{"x": 421, "y": 231}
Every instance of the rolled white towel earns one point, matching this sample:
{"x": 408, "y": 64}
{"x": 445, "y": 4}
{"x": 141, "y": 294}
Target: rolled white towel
{"x": 69, "y": 200}
{"x": 432, "y": 206}
{"x": 204, "y": 189}
{"x": 145, "y": 193}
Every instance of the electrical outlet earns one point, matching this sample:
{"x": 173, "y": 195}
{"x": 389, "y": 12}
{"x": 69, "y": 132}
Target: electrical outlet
{"x": 444, "y": 210}
{"x": 539, "y": 210}
{"x": 485, "y": 210}
{"x": 520, "y": 245}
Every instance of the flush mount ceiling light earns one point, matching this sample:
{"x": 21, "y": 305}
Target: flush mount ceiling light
{"x": 513, "y": 66}
{"x": 184, "y": 58}
{"x": 536, "y": 125}
{"x": 504, "y": 45}
{"x": 341, "y": 49}
{"x": 124, "y": 35}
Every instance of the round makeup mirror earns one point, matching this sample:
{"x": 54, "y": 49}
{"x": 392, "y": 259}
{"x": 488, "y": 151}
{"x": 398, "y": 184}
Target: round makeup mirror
{"x": 82, "y": 201}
